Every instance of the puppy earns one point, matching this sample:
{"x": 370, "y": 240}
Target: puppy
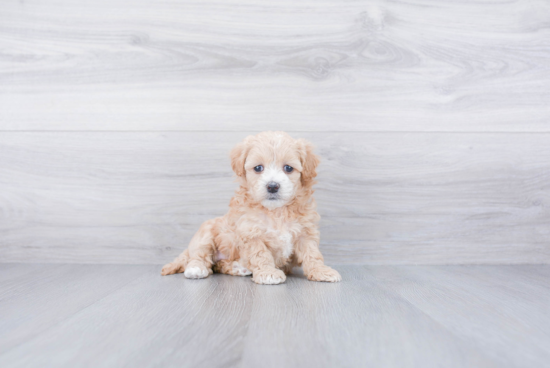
{"x": 272, "y": 221}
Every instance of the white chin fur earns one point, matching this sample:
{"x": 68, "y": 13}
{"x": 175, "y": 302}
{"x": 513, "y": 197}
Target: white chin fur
{"x": 271, "y": 204}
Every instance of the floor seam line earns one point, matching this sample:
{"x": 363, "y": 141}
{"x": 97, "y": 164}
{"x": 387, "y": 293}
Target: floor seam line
{"x": 71, "y": 316}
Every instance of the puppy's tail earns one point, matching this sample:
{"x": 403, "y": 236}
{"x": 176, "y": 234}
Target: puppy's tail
{"x": 177, "y": 266}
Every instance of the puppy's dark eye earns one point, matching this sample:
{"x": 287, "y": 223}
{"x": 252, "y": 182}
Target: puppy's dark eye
{"x": 259, "y": 168}
{"x": 288, "y": 169}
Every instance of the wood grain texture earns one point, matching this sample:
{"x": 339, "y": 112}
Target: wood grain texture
{"x": 456, "y": 297}
{"x": 427, "y": 65}
{"x": 383, "y": 316}
{"x": 36, "y": 297}
{"x": 160, "y": 321}
{"x": 355, "y": 323}
{"x": 383, "y": 197}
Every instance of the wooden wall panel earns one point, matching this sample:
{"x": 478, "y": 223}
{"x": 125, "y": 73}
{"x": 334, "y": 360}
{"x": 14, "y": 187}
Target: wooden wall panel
{"x": 432, "y": 118}
{"x": 240, "y": 65}
{"x": 121, "y": 197}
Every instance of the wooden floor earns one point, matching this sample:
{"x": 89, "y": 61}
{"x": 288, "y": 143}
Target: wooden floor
{"x": 379, "y": 316}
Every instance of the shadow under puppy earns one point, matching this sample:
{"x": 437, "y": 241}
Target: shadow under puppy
{"x": 272, "y": 221}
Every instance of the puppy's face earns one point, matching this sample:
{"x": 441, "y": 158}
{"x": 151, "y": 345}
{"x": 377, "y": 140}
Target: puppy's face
{"x": 274, "y": 166}
{"x": 273, "y": 172}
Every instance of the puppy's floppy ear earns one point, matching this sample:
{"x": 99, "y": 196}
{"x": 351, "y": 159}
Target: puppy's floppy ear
{"x": 238, "y": 156}
{"x": 309, "y": 162}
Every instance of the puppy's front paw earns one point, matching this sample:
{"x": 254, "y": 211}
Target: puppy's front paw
{"x": 324, "y": 273}
{"x": 196, "y": 270}
{"x": 270, "y": 276}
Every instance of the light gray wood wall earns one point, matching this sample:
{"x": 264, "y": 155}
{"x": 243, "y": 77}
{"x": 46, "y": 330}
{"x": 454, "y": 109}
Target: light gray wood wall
{"x": 432, "y": 119}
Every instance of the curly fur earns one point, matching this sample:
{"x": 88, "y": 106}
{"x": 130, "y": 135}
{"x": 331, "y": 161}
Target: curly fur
{"x": 263, "y": 234}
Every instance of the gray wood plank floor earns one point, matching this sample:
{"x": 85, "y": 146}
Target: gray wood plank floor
{"x": 382, "y": 316}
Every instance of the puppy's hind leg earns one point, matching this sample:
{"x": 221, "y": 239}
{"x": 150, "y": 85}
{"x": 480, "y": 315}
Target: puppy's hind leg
{"x": 196, "y": 261}
{"x": 176, "y": 266}
{"x": 201, "y": 252}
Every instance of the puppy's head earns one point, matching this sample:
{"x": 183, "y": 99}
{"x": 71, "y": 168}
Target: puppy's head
{"x": 274, "y": 167}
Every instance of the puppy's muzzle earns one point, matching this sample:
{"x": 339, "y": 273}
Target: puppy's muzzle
{"x": 273, "y": 187}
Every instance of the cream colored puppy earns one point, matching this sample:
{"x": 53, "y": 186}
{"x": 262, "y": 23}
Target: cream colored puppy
{"x": 272, "y": 221}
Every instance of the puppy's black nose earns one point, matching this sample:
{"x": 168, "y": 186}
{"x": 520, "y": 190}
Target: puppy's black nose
{"x": 273, "y": 187}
